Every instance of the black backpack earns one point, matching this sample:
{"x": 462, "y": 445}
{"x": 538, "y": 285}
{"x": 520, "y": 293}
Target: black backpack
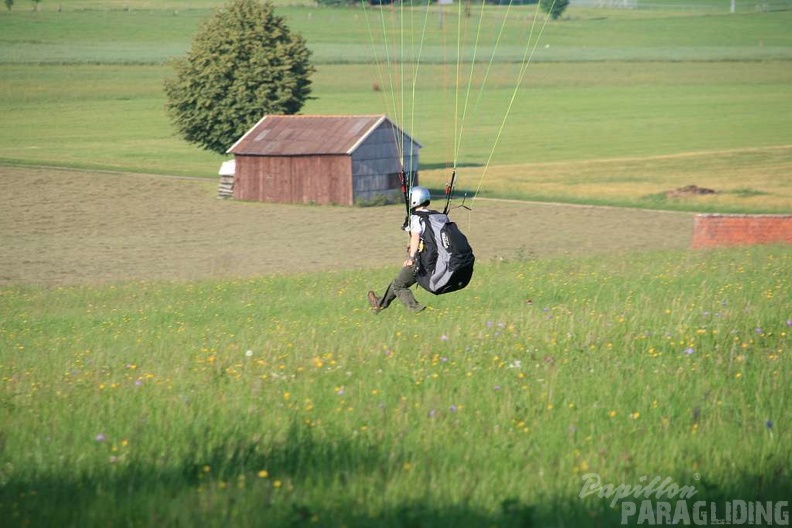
{"x": 445, "y": 263}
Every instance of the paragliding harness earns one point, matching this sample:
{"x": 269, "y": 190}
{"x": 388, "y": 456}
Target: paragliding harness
{"x": 445, "y": 262}
{"x": 445, "y": 258}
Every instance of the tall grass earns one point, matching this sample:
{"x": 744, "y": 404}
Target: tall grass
{"x": 283, "y": 401}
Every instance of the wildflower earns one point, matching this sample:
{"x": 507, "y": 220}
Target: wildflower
{"x": 443, "y": 337}
{"x": 612, "y": 414}
{"x": 432, "y": 413}
{"x": 769, "y": 424}
{"x": 100, "y": 437}
{"x": 635, "y": 415}
{"x": 453, "y": 408}
{"x": 789, "y": 322}
{"x": 249, "y": 353}
{"x": 277, "y": 484}
{"x": 758, "y": 330}
{"x": 340, "y": 391}
{"x": 689, "y": 351}
{"x": 263, "y": 473}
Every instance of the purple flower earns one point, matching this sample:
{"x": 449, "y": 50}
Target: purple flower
{"x": 340, "y": 391}
{"x": 688, "y": 351}
{"x": 100, "y": 437}
{"x": 138, "y": 383}
{"x": 496, "y": 387}
{"x": 387, "y": 352}
{"x": 769, "y": 424}
{"x": 453, "y": 408}
{"x": 444, "y": 359}
{"x": 789, "y": 322}
{"x": 758, "y": 330}
{"x": 443, "y": 337}
{"x": 432, "y": 413}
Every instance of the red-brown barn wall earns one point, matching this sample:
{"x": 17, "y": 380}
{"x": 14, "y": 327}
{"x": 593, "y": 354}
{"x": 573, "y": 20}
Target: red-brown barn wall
{"x": 294, "y": 179}
{"x": 713, "y": 230}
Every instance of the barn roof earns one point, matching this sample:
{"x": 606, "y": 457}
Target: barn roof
{"x": 300, "y": 135}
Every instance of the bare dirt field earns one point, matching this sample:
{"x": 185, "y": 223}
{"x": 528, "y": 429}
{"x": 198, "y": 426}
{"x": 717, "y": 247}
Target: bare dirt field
{"x": 70, "y": 227}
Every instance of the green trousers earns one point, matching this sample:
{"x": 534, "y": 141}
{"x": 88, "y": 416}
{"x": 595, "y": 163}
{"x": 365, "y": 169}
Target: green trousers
{"x": 400, "y": 288}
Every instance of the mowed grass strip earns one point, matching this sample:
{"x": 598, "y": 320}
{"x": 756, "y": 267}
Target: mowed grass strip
{"x": 146, "y": 34}
{"x": 283, "y": 400}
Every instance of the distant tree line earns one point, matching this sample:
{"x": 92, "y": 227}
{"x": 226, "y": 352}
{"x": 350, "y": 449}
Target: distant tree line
{"x": 554, "y": 8}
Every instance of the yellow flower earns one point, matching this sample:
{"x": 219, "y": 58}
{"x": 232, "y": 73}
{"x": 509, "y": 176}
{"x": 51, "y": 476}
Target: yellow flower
{"x": 277, "y": 484}
{"x": 263, "y": 473}
{"x": 612, "y": 414}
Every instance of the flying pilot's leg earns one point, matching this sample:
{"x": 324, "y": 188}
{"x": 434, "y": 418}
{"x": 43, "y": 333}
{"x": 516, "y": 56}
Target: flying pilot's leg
{"x": 401, "y": 289}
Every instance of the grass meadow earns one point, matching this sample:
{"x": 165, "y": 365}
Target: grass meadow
{"x": 601, "y": 85}
{"x": 168, "y": 359}
{"x": 281, "y": 401}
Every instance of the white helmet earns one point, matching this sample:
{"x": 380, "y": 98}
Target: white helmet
{"x": 419, "y": 196}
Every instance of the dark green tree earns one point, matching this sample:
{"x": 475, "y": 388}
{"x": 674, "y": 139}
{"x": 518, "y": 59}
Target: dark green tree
{"x": 554, "y": 8}
{"x": 244, "y": 63}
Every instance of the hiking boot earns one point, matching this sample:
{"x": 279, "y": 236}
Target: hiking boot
{"x": 374, "y": 302}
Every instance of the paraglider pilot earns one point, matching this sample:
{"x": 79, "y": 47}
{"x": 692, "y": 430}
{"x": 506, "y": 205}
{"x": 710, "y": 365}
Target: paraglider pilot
{"x": 400, "y": 286}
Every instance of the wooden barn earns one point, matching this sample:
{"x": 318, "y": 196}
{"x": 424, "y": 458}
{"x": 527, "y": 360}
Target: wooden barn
{"x": 322, "y": 159}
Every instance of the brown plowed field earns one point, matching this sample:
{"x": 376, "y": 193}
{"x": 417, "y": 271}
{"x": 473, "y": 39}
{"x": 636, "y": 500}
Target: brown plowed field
{"x": 70, "y": 227}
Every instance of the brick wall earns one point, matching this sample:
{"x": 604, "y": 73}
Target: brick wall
{"x": 712, "y": 230}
